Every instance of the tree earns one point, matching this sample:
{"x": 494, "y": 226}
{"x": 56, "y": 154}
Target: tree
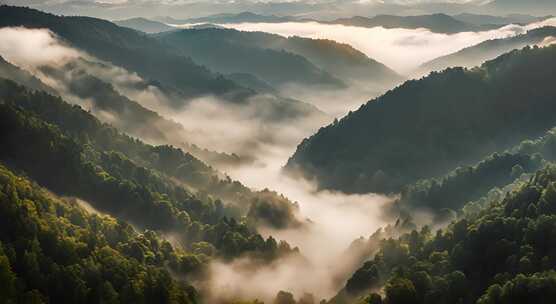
{"x": 400, "y": 291}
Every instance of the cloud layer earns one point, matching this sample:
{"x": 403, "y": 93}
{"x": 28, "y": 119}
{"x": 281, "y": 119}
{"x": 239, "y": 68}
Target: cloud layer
{"x": 401, "y": 49}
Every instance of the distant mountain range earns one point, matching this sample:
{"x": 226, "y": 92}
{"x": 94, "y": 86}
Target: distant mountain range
{"x": 176, "y": 76}
{"x": 439, "y": 23}
{"x": 242, "y": 17}
{"x": 129, "y": 49}
{"x": 478, "y": 19}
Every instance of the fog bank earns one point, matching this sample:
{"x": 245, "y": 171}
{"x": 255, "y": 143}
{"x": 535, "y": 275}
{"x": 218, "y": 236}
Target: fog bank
{"x": 258, "y": 126}
{"x": 400, "y": 49}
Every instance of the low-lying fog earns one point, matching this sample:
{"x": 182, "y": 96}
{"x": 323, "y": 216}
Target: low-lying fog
{"x": 334, "y": 219}
{"x": 401, "y": 49}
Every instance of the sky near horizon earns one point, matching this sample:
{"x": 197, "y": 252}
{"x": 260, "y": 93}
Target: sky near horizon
{"x": 326, "y": 9}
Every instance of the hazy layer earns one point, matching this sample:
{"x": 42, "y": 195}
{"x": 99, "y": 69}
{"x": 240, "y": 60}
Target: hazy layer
{"x": 401, "y": 49}
{"x": 336, "y": 219}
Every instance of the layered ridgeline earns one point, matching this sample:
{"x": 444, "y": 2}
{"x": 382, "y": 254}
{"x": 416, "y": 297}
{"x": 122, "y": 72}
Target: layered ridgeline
{"x": 127, "y": 75}
{"x": 443, "y": 197}
{"x": 129, "y": 49}
{"x": 23, "y": 77}
{"x": 104, "y": 101}
{"x": 153, "y": 187}
{"x": 497, "y": 248}
{"x": 279, "y": 60}
{"x": 438, "y": 23}
{"x": 427, "y": 127}
{"x": 225, "y": 51}
{"x": 479, "y": 19}
{"x": 490, "y": 49}
{"x": 501, "y": 251}
{"x": 242, "y": 17}
{"x": 165, "y": 68}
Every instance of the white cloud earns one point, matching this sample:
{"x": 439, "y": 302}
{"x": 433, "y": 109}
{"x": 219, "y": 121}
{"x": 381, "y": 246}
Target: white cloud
{"x": 33, "y": 47}
{"x": 401, "y": 49}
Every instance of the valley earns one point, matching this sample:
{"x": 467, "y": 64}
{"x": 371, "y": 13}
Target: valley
{"x": 248, "y": 158}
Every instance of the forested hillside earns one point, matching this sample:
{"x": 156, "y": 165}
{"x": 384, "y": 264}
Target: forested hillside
{"x": 446, "y": 195}
{"x": 503, "y": 253}
{"x": 106, "y": 103}
{"x": 9, "y": 71}
{"x": 488, "y": 50}
{"x": 54, "y": 251}
{"x": 445, "y": 120}
{"x": 152, "y": 187}
{"x": 221, "y": 51}
{"x": 440, "y": 191}
{"x": 224, "y": 50}
{"x": 129, "y": 49}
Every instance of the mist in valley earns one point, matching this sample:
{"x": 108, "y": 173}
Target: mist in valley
{"x": 401, "y": 49}
{"x": 254, "y": 128}
{"x": 266, "y": 128}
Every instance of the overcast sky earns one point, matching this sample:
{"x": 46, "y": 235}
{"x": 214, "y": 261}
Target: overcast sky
{"x": 326, "y": 9}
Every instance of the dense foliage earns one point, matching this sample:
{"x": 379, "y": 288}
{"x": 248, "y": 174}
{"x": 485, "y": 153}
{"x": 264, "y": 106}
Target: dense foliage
{"x": 441, "y": 122}
{"x": 125, "y": 177}
{"x": 504, "y": 253}
{"x": 445, "y": 196}
{"x": 487, "y": 50}
{"x": 53, "y": 251}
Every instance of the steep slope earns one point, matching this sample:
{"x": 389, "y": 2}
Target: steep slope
{"x": 54, "y": 251}
{"x": 145, "y": 25}
{"x": 477, "y": 54}
{"x": 426, "y": 127}
{"x": 214, "y": 47}
{"x": 162, "y": 85}
{"x": 102, "y": 99}
{"x": 252, "y": 82}
{"x": 339, "y": 59}
{"x": 448, "y": 194}
{"x": 438, "y": 23}
{"x": 10, "y": 71}
{"x": 219, "y": 50}
{"x": 150, "y": 186}
{"x": 129, "y": 49}
{"x": 500, "y": 253}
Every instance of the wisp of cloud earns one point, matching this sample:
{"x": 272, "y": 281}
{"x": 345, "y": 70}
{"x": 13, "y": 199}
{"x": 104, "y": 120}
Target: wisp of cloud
{"x": 401, "y": 49}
